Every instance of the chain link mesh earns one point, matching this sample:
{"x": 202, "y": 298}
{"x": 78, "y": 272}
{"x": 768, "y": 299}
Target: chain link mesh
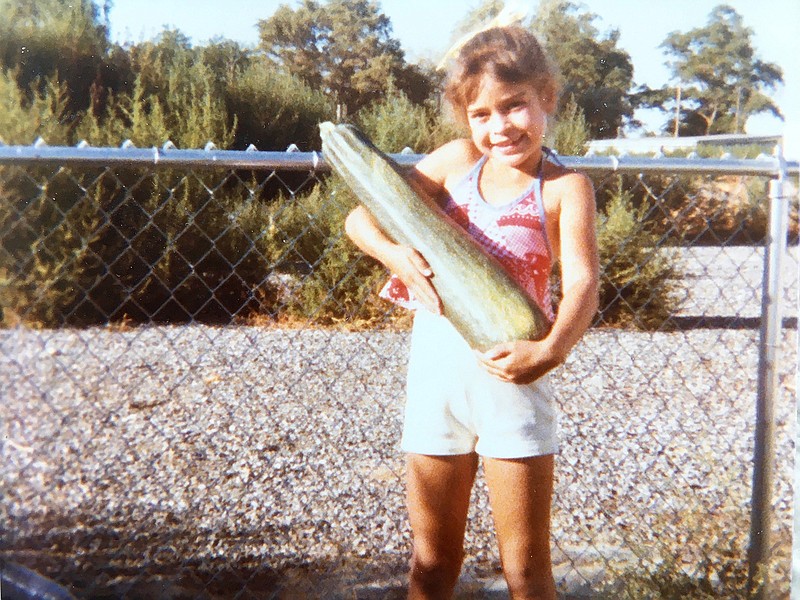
{"x": 202, "y": 396}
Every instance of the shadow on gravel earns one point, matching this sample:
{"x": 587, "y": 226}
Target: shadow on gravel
{"x": 84, "y": 578}
{"x": 689, "y": 323}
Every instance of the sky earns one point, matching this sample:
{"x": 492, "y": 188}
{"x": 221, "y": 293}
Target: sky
{"x": 424, "y": 29}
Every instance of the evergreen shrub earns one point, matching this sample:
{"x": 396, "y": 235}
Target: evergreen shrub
{"x": 637, "y": 278}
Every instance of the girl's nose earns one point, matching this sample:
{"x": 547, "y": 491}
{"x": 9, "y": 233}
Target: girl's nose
{"x": 498, "y": 123}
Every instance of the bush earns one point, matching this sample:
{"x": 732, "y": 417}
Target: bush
{"x": 720, "y": 211}
{"x": 341, "y": 289}
{"x": 49, "y": 262}
{"x": 333, "y": 280}
{"x": 165, "y": 246}
{"x": 570, "y": 132}
{"x": 41, "y": 113}
{"x": 275, "y": 110}
{"x": 174, "y": 246}
{"x": 396, "y": 123}
{"x": 637, "y": 284}
{"x": 193, "y": 114}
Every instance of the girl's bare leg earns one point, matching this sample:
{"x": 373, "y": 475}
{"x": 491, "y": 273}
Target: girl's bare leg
{"x": 520, "y": 492}
{"x": 438, "y": 501}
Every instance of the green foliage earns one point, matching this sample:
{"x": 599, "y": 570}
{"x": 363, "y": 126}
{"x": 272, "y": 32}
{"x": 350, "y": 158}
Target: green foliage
{"x": 722, "y": 80}
{"x": 194, "y": 253}
{"x": 225, "y": 59}
{"x": 193, "y": 116}
{"x": 342, "y": 47}
{"x": 154, "y": 61}
{"x": 175, "y": 97}
{"x": 637, "y": 284}
{"x": 303, "y": 226}
{"x": 334, "y": 281}
{"x": 42, "y": 38}
{"x": 23, "y": 117}
{"x": 49, "y": 262}
{"x": 570, "y": 132}
{"x": 342, "y": 288}
{"x": 274, "y": 109}
{"x": 395, "y": 123}
{"x": 167, "y": 246}
{"x": 596, "y": 73}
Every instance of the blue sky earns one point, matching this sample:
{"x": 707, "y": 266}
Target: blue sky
{"x": 424, "y": 27}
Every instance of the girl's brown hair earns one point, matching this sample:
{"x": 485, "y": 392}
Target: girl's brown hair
{"x": 510, "y": 54}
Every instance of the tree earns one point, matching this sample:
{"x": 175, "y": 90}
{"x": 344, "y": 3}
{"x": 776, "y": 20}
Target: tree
{"x": 596, "y": 73}
{"x": 226, "y": 59}
{"x": 42, "y": 38}
{"x": 173, "y": 91}
{"x": 343, "y": 48}
{"x": 721, "y": 80}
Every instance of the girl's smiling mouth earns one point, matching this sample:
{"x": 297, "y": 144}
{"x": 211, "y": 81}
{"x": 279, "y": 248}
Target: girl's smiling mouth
{"x": 508, "y": 145}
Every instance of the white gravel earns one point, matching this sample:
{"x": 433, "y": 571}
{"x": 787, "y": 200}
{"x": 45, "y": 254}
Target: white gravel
{"x": 726, "y": 281}
{"x": 269, "y": 457}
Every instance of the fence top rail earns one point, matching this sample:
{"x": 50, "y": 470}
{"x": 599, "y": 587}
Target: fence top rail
{"x": 211, "y": 159}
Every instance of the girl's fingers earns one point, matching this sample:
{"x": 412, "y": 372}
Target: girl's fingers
{"x": 423, "y": 290}
{"x": 416, "y": 273}
{"x": 421, "y": 264}
{"x": 492, "y": 366}
{"x": 496, "y": 352}
{"x": 428, "y": 296}
{"x": 423, "y": 286}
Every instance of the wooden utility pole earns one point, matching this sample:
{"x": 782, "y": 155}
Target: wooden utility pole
{"x": 677, "y": 112}
{"x": 738, "y": 108}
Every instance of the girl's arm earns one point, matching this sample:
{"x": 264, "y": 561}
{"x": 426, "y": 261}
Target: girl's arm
{"x": 408, "y": 264}
{"x": 428, "y": 179}
{"x": 526, "y": 361}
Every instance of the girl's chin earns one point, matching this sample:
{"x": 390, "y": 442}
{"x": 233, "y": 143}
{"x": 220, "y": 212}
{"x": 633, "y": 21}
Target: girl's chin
{"x": 515, "y": 158}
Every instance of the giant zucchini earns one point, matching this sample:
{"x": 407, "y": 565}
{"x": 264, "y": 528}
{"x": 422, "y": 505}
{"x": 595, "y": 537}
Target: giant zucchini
{"x": 478, "y": 296}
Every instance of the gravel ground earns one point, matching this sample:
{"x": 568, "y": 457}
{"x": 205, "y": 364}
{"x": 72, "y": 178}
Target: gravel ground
{"x": 726, "y": 281}
{"x": 202, "y": 462}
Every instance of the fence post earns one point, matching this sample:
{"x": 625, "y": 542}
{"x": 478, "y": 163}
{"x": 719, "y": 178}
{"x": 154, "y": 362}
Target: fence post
{"x": 770, "y": 339}
{"x": 795, "y": 577}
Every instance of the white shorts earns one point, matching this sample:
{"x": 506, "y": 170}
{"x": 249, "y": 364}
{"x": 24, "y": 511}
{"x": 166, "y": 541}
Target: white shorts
{"x": 454, "y": 406}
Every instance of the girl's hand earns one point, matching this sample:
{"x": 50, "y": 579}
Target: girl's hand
{"x": 415, "y": 272}
{"x": 405, "y": 262}
{"x": 519, "y": 362}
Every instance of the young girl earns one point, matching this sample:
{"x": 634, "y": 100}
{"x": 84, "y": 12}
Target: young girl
{"x": 528, "y": 212}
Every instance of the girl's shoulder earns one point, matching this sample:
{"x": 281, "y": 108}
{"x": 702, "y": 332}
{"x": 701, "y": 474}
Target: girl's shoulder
{"x": 565, "y": 189}
{"x": 564, "y": 179}
{"x": 450, "y": 162}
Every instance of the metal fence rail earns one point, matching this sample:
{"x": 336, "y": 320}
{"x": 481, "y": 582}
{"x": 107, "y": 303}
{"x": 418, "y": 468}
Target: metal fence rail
{"x": 201, "y": 396}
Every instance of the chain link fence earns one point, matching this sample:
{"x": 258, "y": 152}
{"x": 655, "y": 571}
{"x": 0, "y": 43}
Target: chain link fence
{"x": 201, "y": 395}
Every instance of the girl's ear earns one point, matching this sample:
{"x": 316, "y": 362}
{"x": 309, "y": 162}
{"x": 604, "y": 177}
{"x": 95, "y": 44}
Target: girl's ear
{"x": 549, "y": 98}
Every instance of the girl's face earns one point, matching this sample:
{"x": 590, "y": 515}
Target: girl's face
{"x": 508, "y": 121}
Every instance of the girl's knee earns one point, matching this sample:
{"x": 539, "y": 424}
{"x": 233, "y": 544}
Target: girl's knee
{"x": 528, "y": 582}
{"x": 433, "y": 566}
